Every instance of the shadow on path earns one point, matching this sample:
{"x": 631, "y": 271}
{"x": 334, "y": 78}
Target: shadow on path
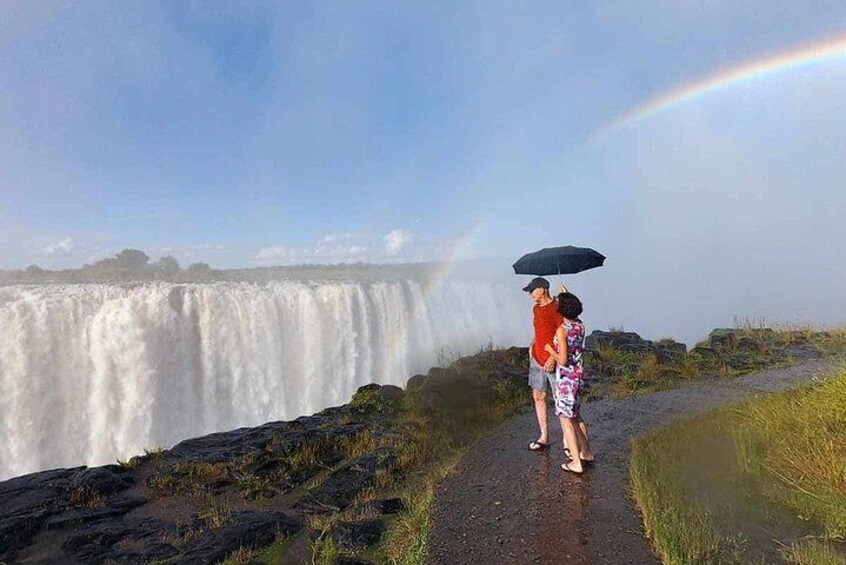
{"x": 506, "y": 504}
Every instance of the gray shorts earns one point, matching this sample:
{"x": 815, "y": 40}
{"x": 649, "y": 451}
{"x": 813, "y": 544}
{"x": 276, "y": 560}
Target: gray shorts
{"x": 539, "y": 379}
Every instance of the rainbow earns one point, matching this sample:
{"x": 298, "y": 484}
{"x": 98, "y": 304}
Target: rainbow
{"x": 819, "y": 52}
{"x": 441, "y": 271}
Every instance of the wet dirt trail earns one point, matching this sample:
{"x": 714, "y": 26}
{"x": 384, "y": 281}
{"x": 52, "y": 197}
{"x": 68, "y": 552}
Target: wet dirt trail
{"x": 505, "y": 504}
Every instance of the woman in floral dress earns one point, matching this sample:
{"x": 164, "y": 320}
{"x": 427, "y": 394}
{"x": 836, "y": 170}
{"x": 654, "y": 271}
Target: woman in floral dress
{"x": 567, "y": 349}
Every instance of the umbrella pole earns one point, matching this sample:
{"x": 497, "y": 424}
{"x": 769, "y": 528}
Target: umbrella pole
{"x": 561, "y": 287}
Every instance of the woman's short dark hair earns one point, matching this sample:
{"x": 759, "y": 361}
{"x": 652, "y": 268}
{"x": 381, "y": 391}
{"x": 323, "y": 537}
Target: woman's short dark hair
{"x": 569, "y": 305}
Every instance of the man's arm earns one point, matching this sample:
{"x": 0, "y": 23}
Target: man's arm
{"x": 549, "y": 366}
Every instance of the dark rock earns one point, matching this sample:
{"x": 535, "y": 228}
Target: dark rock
{"x": 747, "y": 343}
{"x": 381, "y": 506}
{"x": 92, "y": 540}
{"x": 42, "y": 479}
{"x": 248, "y": 529}
{"x": 17, "y": 531}
{"x": 362, "y": 533}
{"x": 102, "y": 480}
{"x": 670, "y": 351}
{"x": 339, "y": 489}
{"x": 149, "y": 528}
{"x": 741, "y": 362}
{"x": 641, "y": 347}
{"x": 616, "y": 340}
{"x": 379, "y": 399}
{"x": 704, "y": 351}
{"x": 722, "y": 338}
{"x": 111, "y": 509}
{"x": 34, "y": 492}
{"x": 225, "y": 446}
{"x": 414, "y": 382}
{"x": 159, "y": 552}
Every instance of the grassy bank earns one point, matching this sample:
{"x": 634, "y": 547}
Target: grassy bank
{"x": 760, "y": 482}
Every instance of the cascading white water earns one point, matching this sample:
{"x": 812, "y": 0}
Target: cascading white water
{"x": 90, "y": 373}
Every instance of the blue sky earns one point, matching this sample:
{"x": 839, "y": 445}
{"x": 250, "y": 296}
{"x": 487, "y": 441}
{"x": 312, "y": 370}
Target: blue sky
{"x": 250, "y": 133}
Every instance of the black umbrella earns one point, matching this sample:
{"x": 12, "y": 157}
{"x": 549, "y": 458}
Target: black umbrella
{"x": 565, "y": 260}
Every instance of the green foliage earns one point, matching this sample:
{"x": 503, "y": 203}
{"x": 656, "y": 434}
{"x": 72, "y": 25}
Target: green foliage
{"x": 367, "y": 400}
{"x": 813, "y": 552}
{"x": 775, "y": 462}
{"x": 155, "y": 452}
{"x": 324, "y": 551}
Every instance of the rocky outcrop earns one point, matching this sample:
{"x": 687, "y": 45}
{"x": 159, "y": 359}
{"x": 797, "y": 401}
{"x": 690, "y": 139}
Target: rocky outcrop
{"x": 210, "y": 497}
{"x": 667, "y": 350}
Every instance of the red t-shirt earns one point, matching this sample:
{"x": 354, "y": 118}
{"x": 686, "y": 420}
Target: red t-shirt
{"x": 546, "y": 322}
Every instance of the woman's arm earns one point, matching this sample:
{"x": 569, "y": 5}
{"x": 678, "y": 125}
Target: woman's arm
{"x": 559, "y": 356}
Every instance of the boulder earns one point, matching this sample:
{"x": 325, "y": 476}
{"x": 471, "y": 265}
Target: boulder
{"x": 381, "y": 506}
{"x": 341, "y": 487}
{"x": 89, "y": 541}
{"x": 246, "y": 529}
{"x": 704, "y": 352}
{"x": 414, "y": 383}
{"x": 669, "y": 351}
{"x": 375, "y": 399}
{"x": 359, "y": 534}
{"x": 74, "y": 516}
{"x": 617, "y": 340}
{"x": 106, "y": 480}
{"x": 722, "y": 338}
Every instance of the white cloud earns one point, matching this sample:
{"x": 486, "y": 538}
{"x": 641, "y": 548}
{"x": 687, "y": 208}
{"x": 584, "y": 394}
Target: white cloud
{"x": 329, "y": 248}
{"x": 60, "y": 247}
{"x": 339, "y": 247}
{"x": 278, "y": 253}
{"x": 396, "y": 240}
{"x": 208, "y": 247}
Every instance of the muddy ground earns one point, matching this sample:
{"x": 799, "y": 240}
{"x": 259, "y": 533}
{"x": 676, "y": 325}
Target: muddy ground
{"x": 505, "y": 504}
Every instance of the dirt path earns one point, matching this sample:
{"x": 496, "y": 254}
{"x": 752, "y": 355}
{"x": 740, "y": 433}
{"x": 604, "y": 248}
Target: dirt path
{"x": 506, "y": 504}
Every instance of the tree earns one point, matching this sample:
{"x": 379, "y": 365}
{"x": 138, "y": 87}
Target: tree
{"x": 199, "y": 267}
{"x": 168, "y": 265}
{"x": 131, "y": 259}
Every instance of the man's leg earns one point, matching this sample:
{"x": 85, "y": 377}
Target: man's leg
{"x": 540, "y": 411}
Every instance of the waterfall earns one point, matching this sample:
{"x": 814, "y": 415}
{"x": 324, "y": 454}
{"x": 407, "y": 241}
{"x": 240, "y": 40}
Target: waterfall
{"x": 94, "y": 372}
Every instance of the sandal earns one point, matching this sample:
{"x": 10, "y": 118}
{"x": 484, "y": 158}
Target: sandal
{"x": 567, "y": 454}
{"x": 566, "y": 467}
{"x": 538, "y": 446}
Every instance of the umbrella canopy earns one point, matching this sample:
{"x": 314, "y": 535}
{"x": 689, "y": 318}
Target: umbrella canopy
{"x": 565, "y": 260}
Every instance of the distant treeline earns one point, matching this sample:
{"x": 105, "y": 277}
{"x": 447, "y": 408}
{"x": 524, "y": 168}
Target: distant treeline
{"x": 134, "y": 265}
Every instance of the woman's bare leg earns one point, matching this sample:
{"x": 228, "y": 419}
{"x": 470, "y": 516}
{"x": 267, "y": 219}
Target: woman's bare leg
{"x": 582, "y": 437}
{"x": 568, "y": 426}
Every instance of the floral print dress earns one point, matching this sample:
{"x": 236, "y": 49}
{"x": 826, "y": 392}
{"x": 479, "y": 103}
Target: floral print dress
{"x": 569, "y": 378}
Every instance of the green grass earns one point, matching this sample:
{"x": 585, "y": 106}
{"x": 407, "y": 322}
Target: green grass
{"x": 729, "y": 352}
{"x": 709, "y": 486}
{"x": 813, "y": 552}
{"x": 406, "y": 541}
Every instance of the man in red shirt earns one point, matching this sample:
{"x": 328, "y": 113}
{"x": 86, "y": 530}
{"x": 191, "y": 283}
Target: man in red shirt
{"x": 546, "y": 320}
